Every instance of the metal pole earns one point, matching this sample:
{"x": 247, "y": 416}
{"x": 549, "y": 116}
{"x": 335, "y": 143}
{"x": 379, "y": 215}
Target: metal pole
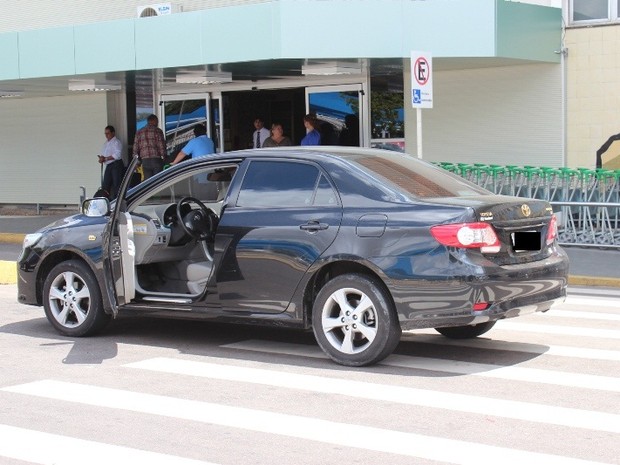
{"x": 419, "y": 132}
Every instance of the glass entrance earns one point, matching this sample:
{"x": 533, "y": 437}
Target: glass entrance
{"x": 340, "y": 112}
{"x": 182, "y": 112}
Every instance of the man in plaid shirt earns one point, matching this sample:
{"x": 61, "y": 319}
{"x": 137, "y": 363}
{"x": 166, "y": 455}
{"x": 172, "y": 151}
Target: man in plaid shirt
{"x": 150, "y": 145}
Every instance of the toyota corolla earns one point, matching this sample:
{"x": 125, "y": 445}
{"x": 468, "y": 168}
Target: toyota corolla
{"x": 357, "y": 244}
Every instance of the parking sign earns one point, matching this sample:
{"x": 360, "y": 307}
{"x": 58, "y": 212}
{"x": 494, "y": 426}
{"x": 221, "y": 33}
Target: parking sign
{"x": 421, "y": 80}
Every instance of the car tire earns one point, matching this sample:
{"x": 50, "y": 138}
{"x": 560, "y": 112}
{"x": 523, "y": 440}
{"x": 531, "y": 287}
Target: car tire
{"x": 354, "y": 320}
{"x": 466, "y": 332}
{"x": 77, "y": 311}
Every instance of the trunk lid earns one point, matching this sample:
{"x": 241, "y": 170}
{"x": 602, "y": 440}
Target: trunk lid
{"x": 521, "y": 225}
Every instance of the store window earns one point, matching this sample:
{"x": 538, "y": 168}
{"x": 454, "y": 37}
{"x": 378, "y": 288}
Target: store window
{"x": 594, "y": 10}
{"x": 387, "y": 112}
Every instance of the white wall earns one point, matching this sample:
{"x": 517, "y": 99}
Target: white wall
{"x": 49, "y": 147}
{"x": 507, "y": 116}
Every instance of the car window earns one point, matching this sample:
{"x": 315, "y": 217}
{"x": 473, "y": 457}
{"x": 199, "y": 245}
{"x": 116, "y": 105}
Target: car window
{"x": 207, "y": 185}
{"x": 419, "y": 179}
{"x": 416, "y": 178}
{"x": 325, "y": 194}
{"x": 284, "y": 184}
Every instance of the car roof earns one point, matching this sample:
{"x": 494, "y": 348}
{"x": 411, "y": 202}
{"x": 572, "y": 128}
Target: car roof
{"x": 325, "y": 152}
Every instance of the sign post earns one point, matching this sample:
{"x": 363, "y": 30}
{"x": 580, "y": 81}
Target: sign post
{"x": 421, "y": 88}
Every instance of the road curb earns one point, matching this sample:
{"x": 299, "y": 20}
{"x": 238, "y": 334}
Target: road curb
{"x": 12, "y": 238}
{"x": 597, "y": 281}
{"x": 8, "y": 272}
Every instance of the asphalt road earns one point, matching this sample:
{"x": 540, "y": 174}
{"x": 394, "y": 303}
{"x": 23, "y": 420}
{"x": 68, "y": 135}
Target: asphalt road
{"x": 540, "y": 389}
{"x": 9, "y": 252}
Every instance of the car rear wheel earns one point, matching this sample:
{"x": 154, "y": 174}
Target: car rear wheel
{"x": 466, "y": 332}
{"x": 354, "y": 320}
{"x": 72, "y": 300}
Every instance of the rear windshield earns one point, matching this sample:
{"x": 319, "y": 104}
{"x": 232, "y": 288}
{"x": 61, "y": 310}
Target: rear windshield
{"x": 413, "y": 176}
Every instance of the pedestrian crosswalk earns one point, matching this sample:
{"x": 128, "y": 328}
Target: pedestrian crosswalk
{"x": 443, "y": 406}
{"x": 45, "y": 448}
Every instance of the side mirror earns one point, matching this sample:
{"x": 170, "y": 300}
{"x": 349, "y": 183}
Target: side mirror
{"x": 96, "y": 207}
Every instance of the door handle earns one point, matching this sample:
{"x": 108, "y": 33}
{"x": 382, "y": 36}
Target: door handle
{"x": 313, "y": 226}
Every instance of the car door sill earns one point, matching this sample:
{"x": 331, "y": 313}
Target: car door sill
{"x": 171, "y": 300}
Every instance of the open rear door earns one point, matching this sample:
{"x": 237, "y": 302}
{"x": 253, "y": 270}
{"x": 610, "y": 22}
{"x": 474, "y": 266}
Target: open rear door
{"x": 119, "y": 249}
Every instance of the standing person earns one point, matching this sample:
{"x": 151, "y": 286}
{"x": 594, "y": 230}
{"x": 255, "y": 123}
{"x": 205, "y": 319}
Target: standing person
{"x": 312, "y": 137}
{"x": 350, "y": 134}
{"x": 199, "y": 146}
{"x": 260, "y": 134}
{"x": 111, "y": 157}
{"x": 150, "y": 145}
{"x": 277, "y": 138}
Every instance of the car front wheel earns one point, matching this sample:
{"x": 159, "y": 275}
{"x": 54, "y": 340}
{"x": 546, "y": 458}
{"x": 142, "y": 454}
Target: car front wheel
{"x": 354, "y": 320}
{"x": 72, "y": 300}
{"x": 466, "y": 332}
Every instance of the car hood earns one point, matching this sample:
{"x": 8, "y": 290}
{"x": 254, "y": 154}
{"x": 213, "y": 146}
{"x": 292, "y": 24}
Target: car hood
{"x": 73, "y": 221}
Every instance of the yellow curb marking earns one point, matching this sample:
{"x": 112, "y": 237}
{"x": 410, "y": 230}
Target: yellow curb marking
{"x": 12, "y": 238}
{"x": 593, "y": 281}
{"x": 8, "y": 272}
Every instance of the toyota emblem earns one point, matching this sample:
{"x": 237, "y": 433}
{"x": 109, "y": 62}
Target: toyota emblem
{"x": 525, "y": 209}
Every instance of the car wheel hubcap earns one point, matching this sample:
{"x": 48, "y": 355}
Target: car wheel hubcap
{"x": 69, "y": 299}
{"x": 349, "y": 321}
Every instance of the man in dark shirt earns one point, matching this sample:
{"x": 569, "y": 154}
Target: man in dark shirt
{"x": 150, "y": 145}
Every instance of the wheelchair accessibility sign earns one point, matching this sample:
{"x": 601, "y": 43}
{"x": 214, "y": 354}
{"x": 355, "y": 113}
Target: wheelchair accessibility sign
{"x": 417, "y": 96}
{"x": 421, "y": 80}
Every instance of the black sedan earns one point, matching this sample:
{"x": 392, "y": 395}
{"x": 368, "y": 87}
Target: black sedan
{"x": 358, "y": 244}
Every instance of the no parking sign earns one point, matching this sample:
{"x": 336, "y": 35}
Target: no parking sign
{"x": 421, "y": 80}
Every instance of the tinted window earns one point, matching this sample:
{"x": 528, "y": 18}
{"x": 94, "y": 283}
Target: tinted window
{"x": 325, "y": 194}
{"x": 409, "y": 175}
{"x": 280, "y": 184}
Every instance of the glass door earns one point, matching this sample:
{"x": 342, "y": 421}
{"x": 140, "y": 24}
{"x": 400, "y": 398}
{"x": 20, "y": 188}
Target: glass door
{"x": 215, "y": 129}
{"x": 182, "y": 112}
{"x": 340, "y": 111}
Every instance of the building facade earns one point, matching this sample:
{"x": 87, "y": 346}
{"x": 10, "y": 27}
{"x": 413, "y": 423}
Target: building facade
{"x": 71, "y": 67}
{"x": 592, "y": 61}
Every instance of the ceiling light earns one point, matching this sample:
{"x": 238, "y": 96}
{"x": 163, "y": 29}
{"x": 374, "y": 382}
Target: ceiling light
{"x": 90, "y": 85}
{"x": 331, "y": 68}
{"x": 203, "y": 77}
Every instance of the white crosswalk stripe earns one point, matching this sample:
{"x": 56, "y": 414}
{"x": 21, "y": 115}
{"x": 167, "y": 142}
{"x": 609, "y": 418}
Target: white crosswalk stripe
{"x": 477, "y": 394}
{"x": 341, "y": 434}
{"x": 495, "y": 344}
{"x": 597, "y": 303}
{"x": 580, "y": 315}
{"x": 532, "y": 375}
{"x": 564, "y": 330}
{"x": 46, "y": 448}
{"x": 466, "y": 403}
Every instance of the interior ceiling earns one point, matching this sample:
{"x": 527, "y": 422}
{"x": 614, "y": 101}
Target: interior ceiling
{"x": 249, "y": 72}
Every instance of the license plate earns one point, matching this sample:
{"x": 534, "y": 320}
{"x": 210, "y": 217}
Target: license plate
{"x": 525, "y": 241}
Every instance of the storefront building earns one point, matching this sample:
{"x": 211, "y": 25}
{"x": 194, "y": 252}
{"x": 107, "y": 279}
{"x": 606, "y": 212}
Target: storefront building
{"x": 69, "y": 68}
{"x": 592, "y": 57}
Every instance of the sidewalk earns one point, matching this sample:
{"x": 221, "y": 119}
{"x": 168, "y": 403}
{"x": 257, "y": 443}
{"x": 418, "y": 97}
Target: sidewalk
{"x": 589, "y": 266}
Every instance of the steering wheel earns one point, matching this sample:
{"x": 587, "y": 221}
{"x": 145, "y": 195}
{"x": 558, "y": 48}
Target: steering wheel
{"x": 199, "y": 224}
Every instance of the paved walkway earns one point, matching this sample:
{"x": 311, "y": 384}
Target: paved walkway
{"x": 590, "y": 266}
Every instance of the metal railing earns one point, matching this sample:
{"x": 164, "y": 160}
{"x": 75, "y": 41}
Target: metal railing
{"x": 588, "y": 224}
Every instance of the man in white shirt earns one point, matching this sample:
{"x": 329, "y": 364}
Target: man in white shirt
{"x": 111, "y": 157}
{"x": 261, "y": 133}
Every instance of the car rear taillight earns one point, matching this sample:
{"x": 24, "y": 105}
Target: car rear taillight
{"x": 467, "y": 235}
{"x": 552, "y": 232}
